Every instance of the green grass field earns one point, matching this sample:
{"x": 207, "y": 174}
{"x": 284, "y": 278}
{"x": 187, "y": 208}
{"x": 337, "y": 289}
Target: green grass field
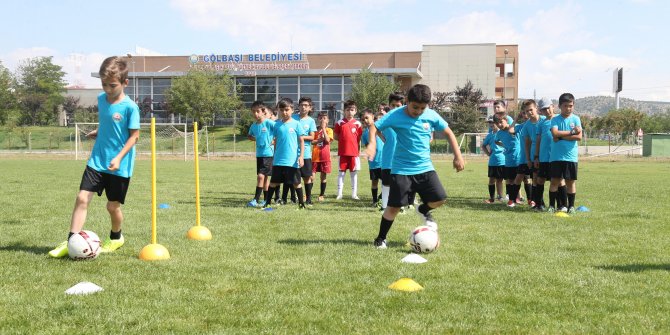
{"x": 315, "y": 271}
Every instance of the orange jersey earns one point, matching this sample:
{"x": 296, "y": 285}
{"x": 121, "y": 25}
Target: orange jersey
{"x": 321, "y": 150}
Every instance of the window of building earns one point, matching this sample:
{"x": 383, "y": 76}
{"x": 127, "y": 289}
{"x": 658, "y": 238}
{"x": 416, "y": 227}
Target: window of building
{"x": 331, "y": 89}
{"x": 311, "y": 87}
{"x": 266, "y": 90}
{"x": 288, "y": 88}
{"x": 246, "y": 90}
{"x": 160, "y": 85}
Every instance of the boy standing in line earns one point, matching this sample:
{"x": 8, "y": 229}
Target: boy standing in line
{"x": 396, "y": 100}
{"x": 529, "y": 143}
{"x": 496, "y": 168}
{"x": 321, "y": 152}
{"x": 289, "y": 147}
{"x": 412, "y": 169}
{"x": 375, "y": 164}
{"x": 566, "y": 130}
{"x": 113, "y": 157}
{"x": 542, "y": 154}
{"x": 308, "y": 129}
{"x": 261, "y": 133}
{"x": 505, "y": 138}
{"x": 348, "y": 132}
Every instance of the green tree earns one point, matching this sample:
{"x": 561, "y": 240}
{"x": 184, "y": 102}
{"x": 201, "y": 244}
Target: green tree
{"x": 371, "y": 89}
{"x": 40, "y": 86}
{"x": 465, "y": 115}
{"x": 8, "y": 101}
{"x": 201, "y": 94}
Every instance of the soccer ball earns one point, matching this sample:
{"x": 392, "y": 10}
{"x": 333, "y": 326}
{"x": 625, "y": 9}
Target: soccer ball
{"x": 83, "y": 245}
{"x": 424, "y": 239}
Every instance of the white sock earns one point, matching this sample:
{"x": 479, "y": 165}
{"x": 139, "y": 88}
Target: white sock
{"x": 340, "y": 182}
{"x": 354, "y": 183}
{"x": 385, "y": 195}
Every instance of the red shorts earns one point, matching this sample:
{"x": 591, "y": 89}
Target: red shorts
{"x": 321, "y": 167}
{"x": 351, "y": 163}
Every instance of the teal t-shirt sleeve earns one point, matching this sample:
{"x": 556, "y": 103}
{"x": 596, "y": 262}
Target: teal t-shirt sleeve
{"x": 438, "y": 123}
{"x": 134, "y": 117}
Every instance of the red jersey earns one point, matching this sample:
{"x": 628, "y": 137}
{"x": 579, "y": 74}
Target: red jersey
{"x": 349, "y": 137}
{"x": 321, "y": 150}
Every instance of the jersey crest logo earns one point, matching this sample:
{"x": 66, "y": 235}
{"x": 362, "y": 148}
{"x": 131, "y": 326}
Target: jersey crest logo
{"x": 291, "y": 130}
{"x": 264, "y": 130}
{"x": 426, "y": 126}
{"x": 353, "y": 130}
{"x": 117, "y": 117}
{"x": 572, "y": 125}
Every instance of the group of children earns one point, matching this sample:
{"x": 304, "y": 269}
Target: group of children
{"x": 540, "y": 146}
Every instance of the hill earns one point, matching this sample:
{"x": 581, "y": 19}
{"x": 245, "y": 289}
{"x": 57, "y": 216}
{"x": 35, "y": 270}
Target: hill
{"x": 600, "y": 105}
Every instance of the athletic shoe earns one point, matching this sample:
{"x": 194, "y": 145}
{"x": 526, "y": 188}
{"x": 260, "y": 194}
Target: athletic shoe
{"x": 489, "y": 201}
{"x": 511, "y": 204}
{"x": 355, "y": 197}
{"x": 261, "y": 203}
{"x": 539, "y": 208}
{"x": 500, "y": 199}
{"x": 252, "y": 203}
{"x": 427, "y": 219}
{"x": 280, "y": 202}
{"x": 110, "y": 245}
{"x": 294, "y": 200}
{"x": 572, "y": 210}
{"x": 301, "y": 207}
{"x": 551, "y": 210}
{"x": 563, "y": 209}
{"x": 60, "y": 251}
{"x": 321, "y": 198}
{"x": 339, "y": 197}
{"x": 379, "y": 243}
{"x": 309, "y": 203}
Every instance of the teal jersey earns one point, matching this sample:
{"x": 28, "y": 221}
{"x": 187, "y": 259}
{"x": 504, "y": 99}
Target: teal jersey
{"x": 412, "y": 149}
{"x": 544, "y": 130}
{"x": 308, "y": 126}
{"x": 530, "y": 132}
{"x": 389, "y": 148}
{"x": 519, "y": 133}
{"x": 497, "y": 157}
{"x": 263, "y": 132}
{"x": 377, "y": 162}
{"x": 565, "y": 150}
{"x": 287, "y": 143}
{"x": 114, "y": 124}
{"x": 510, "y": 146}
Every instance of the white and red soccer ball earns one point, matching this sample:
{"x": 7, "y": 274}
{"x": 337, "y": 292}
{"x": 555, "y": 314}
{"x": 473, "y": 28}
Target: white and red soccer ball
{"x": 83, "y": 245}
{"x": 424, "y": 239}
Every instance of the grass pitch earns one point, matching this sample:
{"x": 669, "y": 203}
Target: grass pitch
{"x": 497, "y": 271}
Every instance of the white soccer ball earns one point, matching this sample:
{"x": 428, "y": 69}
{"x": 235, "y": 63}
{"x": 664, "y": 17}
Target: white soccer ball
{"x": 424, "y": 239}
{"x": 83, "y": 245}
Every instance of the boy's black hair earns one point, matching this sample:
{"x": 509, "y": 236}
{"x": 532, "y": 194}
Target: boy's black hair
{"x": 566, "y": 97}
{"x": 419, "y": 93}
{"x": 368, "y": 111}
{"x": 308, "y": 99}
{"x": 396, "y": 96}
{"x": 257, "y": 104}
{"x": 528, "y": 103}
{"x": 496, "y": 118}
{"x": 285, "y": 102}
{"x": 323, "y": 113}
{"x": 349, "y": 103}
{"x": 500, "y": 102}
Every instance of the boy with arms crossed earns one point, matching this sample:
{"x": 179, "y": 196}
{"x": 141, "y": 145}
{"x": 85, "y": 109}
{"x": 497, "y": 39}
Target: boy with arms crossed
{"x": 321, "y": 152}
{"x": 348, "y": 132}
{"x": 261, "y": 132}
{"x": 566, "y": 130}
{"x": 412, "y": 169}
{"x": 113, "y": 157}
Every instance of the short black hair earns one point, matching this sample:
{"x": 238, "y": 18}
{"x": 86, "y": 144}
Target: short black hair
{"x": 566, "y": 97}
{"x": 368, "y": 111}
{"x": 396, "y": 96}
{"x": 308, "y": 99}
{"x": 258, "y": 104}
{"x": 419, "y": 93}
{"x": 349, "y": 103}
{"x": 285, "y": 102}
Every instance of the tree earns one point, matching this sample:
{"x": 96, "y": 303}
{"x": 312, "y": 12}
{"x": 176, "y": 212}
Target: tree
{"x": 8, "y": 101}
{"x": 465, "y": 115}
{"x": 201, "y": 94}
{"x": 40, "y": 87}
{"x": 440, "y": 101}
{"x": 371, "y": 89}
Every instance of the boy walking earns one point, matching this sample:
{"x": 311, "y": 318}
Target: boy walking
{"x": 321, "y": 152}
{"x": 113, "y": 157}
{"x": 412, "y": 169}
{"x": 261, "y": 133}
{"x": 566, "y": 130}
{"x": 348, "y": 132}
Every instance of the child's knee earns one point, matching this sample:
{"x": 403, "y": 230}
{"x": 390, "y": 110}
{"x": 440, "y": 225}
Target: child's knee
{"x": 113, "y": 206}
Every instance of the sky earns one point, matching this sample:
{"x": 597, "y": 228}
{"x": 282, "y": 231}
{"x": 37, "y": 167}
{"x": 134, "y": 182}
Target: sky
{"x": 564, "y": 46}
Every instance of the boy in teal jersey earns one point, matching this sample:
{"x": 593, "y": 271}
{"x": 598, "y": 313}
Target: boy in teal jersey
{"x": 375, "y": 165}
{"x": 528, "y": 145}
{"x": 542, "y": 153}
{"x": 506, "y": 138}
{"x": 566, "y": 130}
{"x": 261, "y": 132}
{"x": 523, "y": 173}
{"x": 496, "y": 166}
{"x": 412, "y": 169}
{"x": 309, "y": 129}
{"x": 289, "y": 148}
{"x": 112, "y": 160}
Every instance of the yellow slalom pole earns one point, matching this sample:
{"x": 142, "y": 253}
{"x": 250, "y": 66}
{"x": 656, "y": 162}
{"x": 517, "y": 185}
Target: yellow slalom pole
{"x": 197, "y": 232}
{"x": 153, "y": 251}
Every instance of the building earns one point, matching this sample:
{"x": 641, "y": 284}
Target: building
{"x": 327, "y": 78}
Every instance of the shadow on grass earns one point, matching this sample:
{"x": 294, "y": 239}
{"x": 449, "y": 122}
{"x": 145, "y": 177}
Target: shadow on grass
{"x": 479, "y": 204}
{"x": 25, "y": 248}
{"x": 336, "y": 241}
{"x": 635, "y": 267}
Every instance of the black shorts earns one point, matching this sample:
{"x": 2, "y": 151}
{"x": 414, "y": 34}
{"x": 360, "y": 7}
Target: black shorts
{"x": 497, "y": 172}
{"x": 115, "y": 187}
{"x": 306, "y": 169}
{"x": 376, "y": 174}
{"x": 510, "y": 172}
{"x": 524, "y": 169}
{"x": 545, "y": 170}
{"x": 285, "y": 175}
{"x": 426, "y": 184}
{"x": 264, "y": 166}
{"x": 386, "y": 177}
{"x": 563, "y": 170}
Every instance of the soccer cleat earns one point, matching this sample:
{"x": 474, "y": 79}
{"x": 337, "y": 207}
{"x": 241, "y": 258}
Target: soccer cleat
{"x": 489, "y": 201}
{"x": 551, "y": 209}
{"x": 111, "y": 245}
{"x": 563, "y": 209}
{"x": 261, "y": 203}
{"x": 511, "y": 204}
{"x": 301, "y": 207}
{"x": 60, "y": 251}
{"x": 309, "y": 203}
{"x": 252, "y": 203}
{"x": 572, "y": 210}
{"x": 355, "y": 197}
{"x": 380, "y": 243}
{"x": 427, "y": 219}
{"x": 339, "y": 197}
{"x": 280, "y": 202}
{"x": 539, "y": 208}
